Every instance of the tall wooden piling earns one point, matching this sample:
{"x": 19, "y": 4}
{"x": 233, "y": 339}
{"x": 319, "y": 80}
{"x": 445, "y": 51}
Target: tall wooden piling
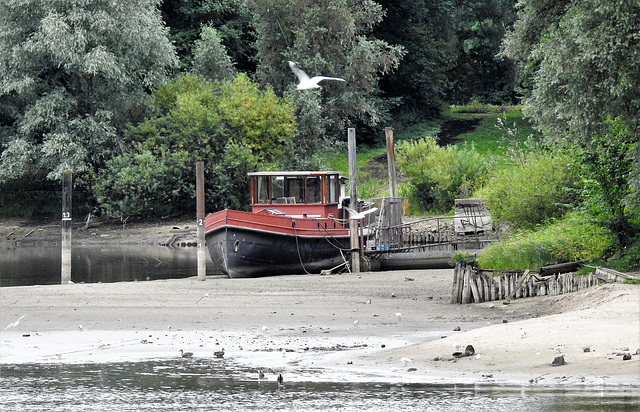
{"x": 201, "y": 253}
{"x": 67, "y": 180}
{"x": 391, "y": 162}
{"x": 353, "y": 201}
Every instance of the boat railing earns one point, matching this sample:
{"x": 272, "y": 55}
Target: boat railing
{"x": 437, "y": 233}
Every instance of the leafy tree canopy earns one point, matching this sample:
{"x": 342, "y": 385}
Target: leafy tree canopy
{"x": 581, "y": 61}
{"x": 210, "y": 59}
{"x": 332, "y": 38}
{"x": 231, "y": 126}
{"x": 72, "y": 75}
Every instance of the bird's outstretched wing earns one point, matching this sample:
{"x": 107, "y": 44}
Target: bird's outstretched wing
{"x": 317, "y": 79}
{"x": 302, "y": 76}
{"x": 355, "y": 215}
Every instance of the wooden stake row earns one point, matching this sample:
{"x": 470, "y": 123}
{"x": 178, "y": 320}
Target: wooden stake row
{"x": 472, "y": 285}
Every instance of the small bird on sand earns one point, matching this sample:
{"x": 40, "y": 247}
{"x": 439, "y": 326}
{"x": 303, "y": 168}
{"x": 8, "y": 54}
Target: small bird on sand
{"x": 280, "y": 380}
{"x": 405, "y": 360}
{"x": 558, "y": 348}
{"x": 398, "y": 315}
{"x": 219, "y": 353}
{"x": 307, "y": 82}
{"x": 523, "y": 333}
{"x": 355, "y": 322}
{"x": 260, "y": 375}
{"x": 186, "y": 354}
{"x": 16, "y": 323}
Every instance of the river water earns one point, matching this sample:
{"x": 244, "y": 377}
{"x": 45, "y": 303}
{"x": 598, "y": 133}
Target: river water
{"x": 24, "y": 266}
{"x": 224, "y": 385}
{"x": 198, "y": 384}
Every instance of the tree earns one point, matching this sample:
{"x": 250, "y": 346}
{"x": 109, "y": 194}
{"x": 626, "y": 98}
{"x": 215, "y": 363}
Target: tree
{"x": 478, "y": 71}
{"x": 332, "y": 38}
{"x": 210, "y": 58}
{"x": 73, "y": 74}
{"x": 231, "y": 19}
{"x": 231, "y": 126}
{"x": 580, "y": 61}
{"x": 425, "y": 30}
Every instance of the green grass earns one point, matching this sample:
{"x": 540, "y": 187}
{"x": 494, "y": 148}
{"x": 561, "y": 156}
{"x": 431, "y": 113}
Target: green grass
{"x": 497, "y": 132}
{"x": 488, "y": 139}
{"x": 363, "y": 156}
{"x": 567, "y": 239}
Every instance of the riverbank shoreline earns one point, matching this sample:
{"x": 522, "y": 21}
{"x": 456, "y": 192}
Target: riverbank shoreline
{"x": 24, "y": 232}
{"x": 348, "y": 326}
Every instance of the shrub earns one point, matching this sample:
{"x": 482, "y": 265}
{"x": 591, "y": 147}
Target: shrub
{"x": 526, "y": 195}
{"x": 439, "y": 175}
{"x": 570, "y": 238}
{"x": 231, "y": 126}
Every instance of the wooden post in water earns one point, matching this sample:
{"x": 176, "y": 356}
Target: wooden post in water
{"x": 353, "y": 202}
{"x": 66, "y": 226}
{"x": 201, "y": 253}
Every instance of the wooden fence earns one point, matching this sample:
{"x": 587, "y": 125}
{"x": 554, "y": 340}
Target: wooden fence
{"x": 474, "y": 285}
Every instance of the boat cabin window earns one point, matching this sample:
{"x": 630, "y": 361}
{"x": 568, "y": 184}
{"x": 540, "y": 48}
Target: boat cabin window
{"x": 296, "y": 189}
{"x": 277, "y": 188}
{"x": 314, "y": 190}
{"x": 333, "y": 189}
{"x": 262, "y": 189}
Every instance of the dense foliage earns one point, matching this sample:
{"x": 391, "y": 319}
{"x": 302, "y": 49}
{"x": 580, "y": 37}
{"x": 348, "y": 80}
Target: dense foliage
{"x": 231, "y": 126}
{"x": 580, "y": 62}
{"x": 571, "y": 238}
{"x": 524, "y": 195}
{"x": 438, "y": 175}
{"x": 72, "y": 75}
{"x": 332, "y": 38}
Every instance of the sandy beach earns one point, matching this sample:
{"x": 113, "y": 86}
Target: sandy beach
{"x": 354, "y": 326}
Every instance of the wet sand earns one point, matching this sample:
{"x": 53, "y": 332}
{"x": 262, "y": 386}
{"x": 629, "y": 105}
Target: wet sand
{"x": 348, "y": 326}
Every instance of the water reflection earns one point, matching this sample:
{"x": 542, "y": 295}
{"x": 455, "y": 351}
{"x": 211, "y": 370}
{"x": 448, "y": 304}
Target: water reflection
{"x": 22, "y": 266}
{"x": 167, "y": 385}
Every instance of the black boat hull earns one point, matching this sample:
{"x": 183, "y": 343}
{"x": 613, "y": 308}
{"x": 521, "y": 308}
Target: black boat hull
{"x": 240, "y": 252}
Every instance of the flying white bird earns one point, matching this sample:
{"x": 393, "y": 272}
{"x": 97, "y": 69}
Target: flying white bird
{"x": 16, "y": 323}
{"x": 354, "y": 215}
{"x": 307, "y": 82}
{"x": 405, "y": 360}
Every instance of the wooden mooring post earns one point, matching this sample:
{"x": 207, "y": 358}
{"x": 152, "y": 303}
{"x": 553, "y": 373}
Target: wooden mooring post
{"x": 67, "y": 179}
{"x": 200, "y": 229}
{"x": 353, "y": 201}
